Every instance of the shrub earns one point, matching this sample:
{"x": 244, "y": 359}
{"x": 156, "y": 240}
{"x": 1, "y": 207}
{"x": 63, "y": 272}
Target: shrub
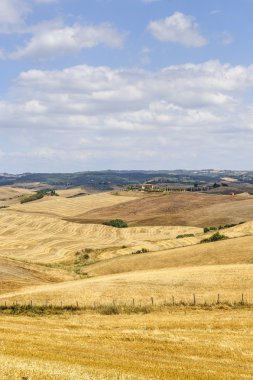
{"x": 143, "y": 250}
{"x": 216, "y": 237}
{"x": 185, "y": 236}
{"x": 34, "y": 197}
{"x": 118, "y": 223}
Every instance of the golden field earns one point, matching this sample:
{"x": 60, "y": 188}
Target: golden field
{"x": 177, "y": 344}
{"x": 56, "y": 250}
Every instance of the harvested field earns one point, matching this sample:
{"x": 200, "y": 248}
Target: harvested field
{"x": 15, "y": 275}
{"x": 192, "y": 209}
{"x": 7, "y": 192}
{"x": 66, "y": 208}
{"x": 43, "y": 238}
{"x": 70, "y": 193}
{"x": 181, "y": 344}
{"x": 230, "y": 281}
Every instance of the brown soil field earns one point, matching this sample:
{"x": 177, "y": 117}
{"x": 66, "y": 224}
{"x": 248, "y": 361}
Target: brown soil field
{"x": 176, "y": 345}
{"x": 192, "y": 209}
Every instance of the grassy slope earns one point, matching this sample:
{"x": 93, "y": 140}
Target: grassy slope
{"x": 15, "y": 275}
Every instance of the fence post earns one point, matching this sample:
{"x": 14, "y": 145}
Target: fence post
{"x": 242, "y": 302}
{"x": 173, "y": 300}
{"x": 152, "y": 301}
{"x": 194, "y": 299}
{"x": 218, "y": 299}
{"x": 133, "y": 301}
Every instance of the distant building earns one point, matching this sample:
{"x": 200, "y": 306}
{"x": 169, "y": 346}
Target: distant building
{"x": 147, "y": 186}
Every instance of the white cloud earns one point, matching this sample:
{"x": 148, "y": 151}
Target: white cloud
{"x": 51, "y": 40}
{"x": 178, "y": 28}
{"x": 138, "y": 117}
{"x": 12, "y": 15}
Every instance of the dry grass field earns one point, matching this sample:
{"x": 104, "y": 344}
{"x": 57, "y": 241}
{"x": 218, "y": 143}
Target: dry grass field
{"x": 42, "y": 245}
{"x": 69, "y": 208}
{"x": 206, "y": 282}
{"x": 177, "y": 345}
{"x": 15, "y": 274}
{"x": 45, "y": 238}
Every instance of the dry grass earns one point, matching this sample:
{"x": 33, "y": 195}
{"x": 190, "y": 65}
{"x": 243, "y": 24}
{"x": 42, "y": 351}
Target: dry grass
{"x": 15, "y": 275}
{"x": 44, "y": 238}
{"x": 230, "y": 281}
{"x": 187, "y": 344}
{"x": 173, "y": 344}
{"x": 66, "y": 208}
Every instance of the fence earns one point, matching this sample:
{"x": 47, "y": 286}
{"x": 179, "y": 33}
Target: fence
{"x": 172, "y": 301}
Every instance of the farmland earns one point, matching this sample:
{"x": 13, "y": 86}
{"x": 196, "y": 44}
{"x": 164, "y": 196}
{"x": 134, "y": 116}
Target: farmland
{"x": 57, "y": 251}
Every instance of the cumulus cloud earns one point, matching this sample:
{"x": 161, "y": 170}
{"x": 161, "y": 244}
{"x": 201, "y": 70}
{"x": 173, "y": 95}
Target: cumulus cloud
{"x": 179, "y": 28}
{"x": 141, "y": 118}
{"x": 12, "y": 15}
{"x": 50, "y": 40}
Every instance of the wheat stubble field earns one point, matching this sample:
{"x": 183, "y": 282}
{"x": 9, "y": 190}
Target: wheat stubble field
{"x": 56, "y": 251}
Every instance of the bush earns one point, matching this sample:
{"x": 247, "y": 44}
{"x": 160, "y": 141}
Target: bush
{"x": 34, "y": 197}
{"x": 185, "y": 236}
{"x": 118, "y": 223}
{"x": 216, "y": 237}
{"x": 207, "y": 229}
{"x": 143, "y": 250}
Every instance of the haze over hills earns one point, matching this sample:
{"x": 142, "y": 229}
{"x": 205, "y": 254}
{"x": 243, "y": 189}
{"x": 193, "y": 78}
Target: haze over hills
{"x": 110, "y": 179}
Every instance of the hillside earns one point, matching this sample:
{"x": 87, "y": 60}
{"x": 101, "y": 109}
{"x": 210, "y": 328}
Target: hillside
{"x": 192, "y": 209}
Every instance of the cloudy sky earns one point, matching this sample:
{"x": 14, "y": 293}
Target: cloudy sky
{"x": 125, "y": 84}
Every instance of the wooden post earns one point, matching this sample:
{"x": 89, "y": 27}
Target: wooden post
{"x": 133, "y": 301}
{"x": 31, "y": 302}
{"x": 77, "y": 304}
{"x": 218, "y": 299}
{"x": 242, "y": 302}
{"x": 194, "y": 299}
{"x": 152, "y": 301}
{"x": 173, "y": 300}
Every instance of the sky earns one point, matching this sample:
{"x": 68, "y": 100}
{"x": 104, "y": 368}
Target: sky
{"x": 125, "y": 84}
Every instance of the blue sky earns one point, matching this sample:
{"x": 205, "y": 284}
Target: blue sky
{"x": 130, "y": 84}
